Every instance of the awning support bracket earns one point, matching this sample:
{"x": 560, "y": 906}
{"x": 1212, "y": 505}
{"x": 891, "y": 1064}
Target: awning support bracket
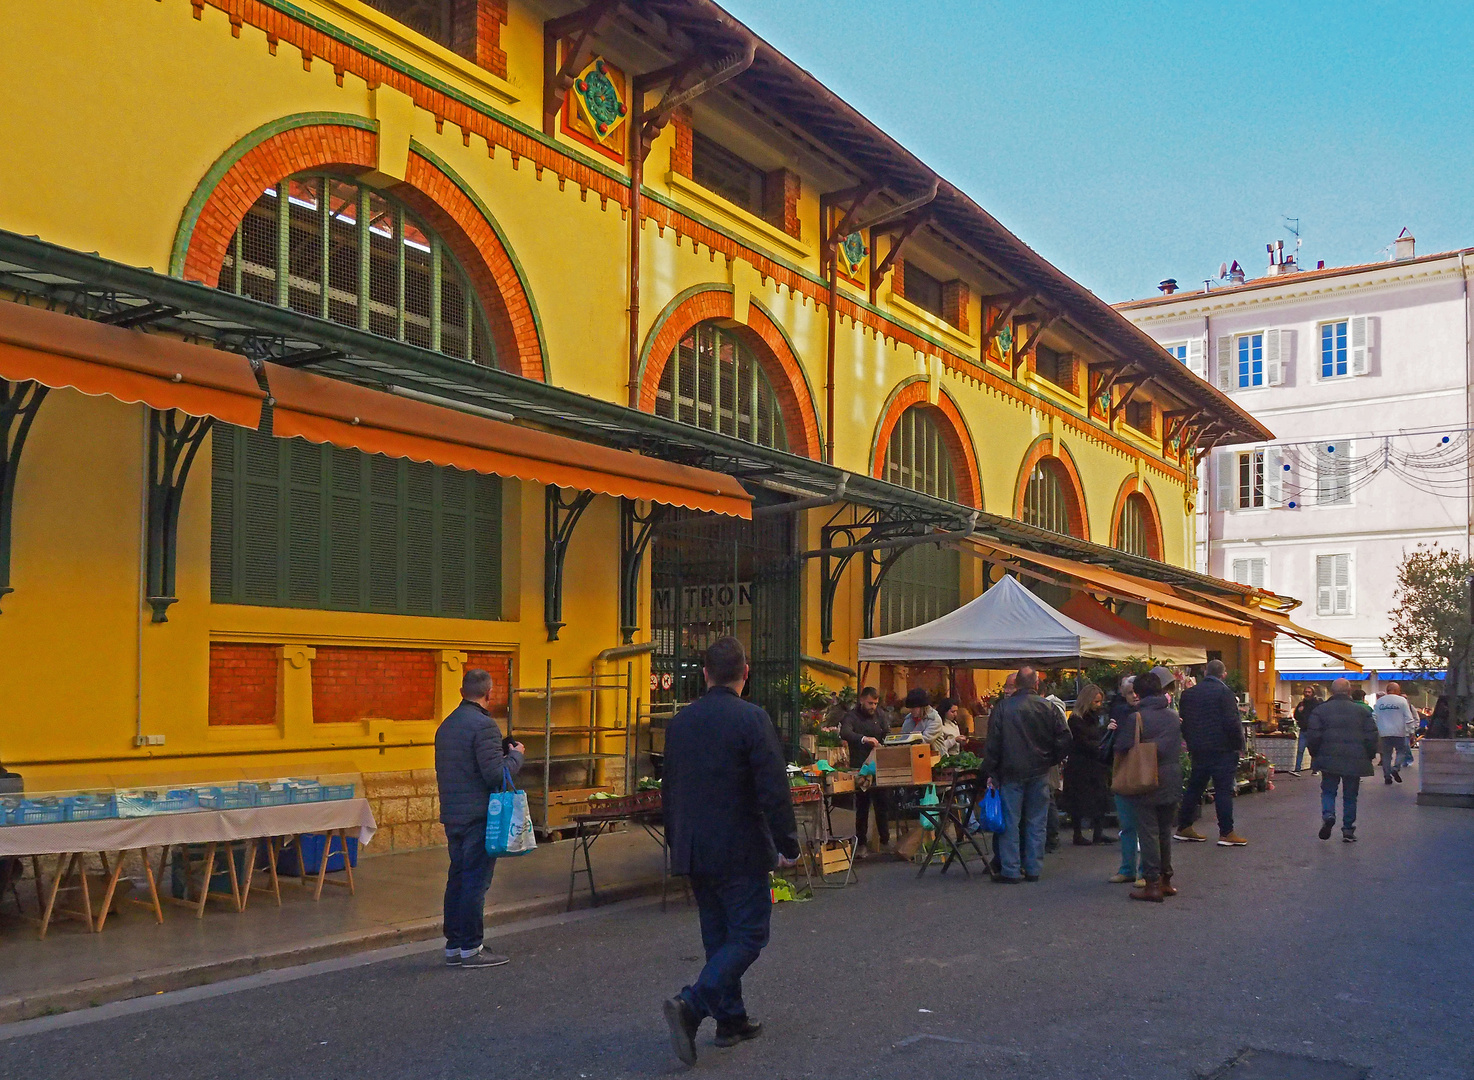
{"x": 175, "y": 439}
{"x": 561, "y": 519}
{"x": 636, "y": 530}
{"x": 19, "y": 403}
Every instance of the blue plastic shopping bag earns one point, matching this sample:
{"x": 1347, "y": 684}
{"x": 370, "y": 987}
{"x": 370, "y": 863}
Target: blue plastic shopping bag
{"x": 508, "y": 821}
{"x": 993, "y": 810}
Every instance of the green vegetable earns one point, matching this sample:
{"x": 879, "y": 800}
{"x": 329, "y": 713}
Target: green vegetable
{"x": 965, "y": 761}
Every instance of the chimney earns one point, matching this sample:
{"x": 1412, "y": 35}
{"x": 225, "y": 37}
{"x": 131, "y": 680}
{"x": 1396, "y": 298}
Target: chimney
{"x": 1168, "y": 287}
{"x": 1403, "y": 246}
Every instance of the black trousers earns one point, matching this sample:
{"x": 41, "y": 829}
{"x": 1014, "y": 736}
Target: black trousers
{"x": 1154, "y": 832}
{"x": 878, "y": 800}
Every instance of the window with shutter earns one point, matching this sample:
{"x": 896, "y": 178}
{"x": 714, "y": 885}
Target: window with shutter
{"x": 1251, "y": 480}
{"x": 1361, "y": 344}
{"x": 296, "y": 524}
{"x": 714, "y": 381}
{"x": 1333, "y": 474}
{"x": 1225, "y": 363}
{"x": 1333, "y": 584}
{"x": 1195, "y": 356}
{"x": 1251, "y": 572}
{"x": 1249, "y": 352}
{"x": 1334, "y": 350}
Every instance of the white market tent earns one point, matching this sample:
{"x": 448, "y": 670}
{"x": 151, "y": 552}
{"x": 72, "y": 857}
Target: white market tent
{"x": 1005, "y": 626}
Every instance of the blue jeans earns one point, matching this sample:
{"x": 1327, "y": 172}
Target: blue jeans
{"x": 1220, "y": 767}
{"x": 1300, "y": 749}
{"x": 735, "y": 912}
{"x": 1026, "y": 804}
{"x": 465, "y": 886}
{"x": 1393, "y": 747}
{"x": 1350, "y": 785}
{"x": 1126, "y": 818}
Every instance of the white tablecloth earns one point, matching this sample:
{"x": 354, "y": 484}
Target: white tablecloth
{"x": 197, "y": 827}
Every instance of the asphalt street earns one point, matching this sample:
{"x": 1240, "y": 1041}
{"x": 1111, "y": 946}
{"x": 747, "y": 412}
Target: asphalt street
{"x": 1360, "y": 954}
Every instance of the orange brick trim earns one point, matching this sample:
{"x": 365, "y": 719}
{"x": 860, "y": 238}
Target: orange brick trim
{"x": 316, "y": 43}
{"x": 356, "y": 683}
{"x": 499, "y": 665}
{"x": 913, "y": 392}
{"x": 1058, "y": 458}
{"x": 243, "y": 684}
{"x": 427, "y": 190}
{"x": 762, "y": 335}
{"x": 1134, "y": 485}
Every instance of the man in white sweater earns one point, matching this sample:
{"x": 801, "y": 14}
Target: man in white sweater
{"x": 1395, "y": 722}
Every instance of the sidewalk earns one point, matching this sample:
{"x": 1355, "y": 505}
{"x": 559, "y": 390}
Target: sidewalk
{"x": 397, "y": 900}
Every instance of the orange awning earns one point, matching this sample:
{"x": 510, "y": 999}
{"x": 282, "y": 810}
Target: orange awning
{"x": 65, "y": 351}
{"x": 1086, "y": 609}
{"x": 324, "y": 410}
{"x": 1333, "y": 648}
{"x": 1161, "y": 602}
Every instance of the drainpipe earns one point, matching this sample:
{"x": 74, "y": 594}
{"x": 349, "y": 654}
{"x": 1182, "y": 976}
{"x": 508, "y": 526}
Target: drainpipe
{"x": 1468, "y": 412}
{"x": 1205, "y": 490}
{"x": 142, "y": 584}
{"x": 637, "y": 180}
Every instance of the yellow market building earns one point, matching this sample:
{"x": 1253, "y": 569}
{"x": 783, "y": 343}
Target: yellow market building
{"x": 340, "y": 351}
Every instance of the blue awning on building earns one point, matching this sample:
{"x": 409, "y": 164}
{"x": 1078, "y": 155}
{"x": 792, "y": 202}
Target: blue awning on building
{"x": 1360, "y": 676}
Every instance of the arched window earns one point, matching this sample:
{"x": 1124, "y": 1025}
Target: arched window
{"x": 1136, "y": 532}
{"x": 714, "y": 381}
{"x": 918, "y": 458}
{"x": 339, "y": 250}
{"x": 926, "y": 581}
{"x": 1048, "y": 500}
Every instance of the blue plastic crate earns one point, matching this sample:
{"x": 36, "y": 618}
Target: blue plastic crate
{"x": 305, "y": 791}
{"x": 227, "y": 798}
{"x": 33, "y": 812}
{"x": 338, "y": 791}
{"x": 148, "y": 803}
{"x": 6, "y": 805}
{"x": 270, "y": 794}
{"x": 90, "y": 807}
{"x": 312, "y": 845}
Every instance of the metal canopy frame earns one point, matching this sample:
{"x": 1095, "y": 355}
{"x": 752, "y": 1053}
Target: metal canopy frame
{"x": 88, "y": 286}
{"x": 174, "y": 439}
{"x": 19, "y": 404}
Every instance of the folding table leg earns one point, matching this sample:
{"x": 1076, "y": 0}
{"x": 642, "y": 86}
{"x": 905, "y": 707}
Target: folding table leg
{"x": 347, "y": 862}
{"x": 235, "y": 885}
{"x": 36, "y": 880}
{"x": 62, "y": 861}
{"x": 271, "y": 863}
{"x": 322, "y": 864}
{"x": 153, "y": 887}
{"x": 205, "y": 882}
{"x": 112, "y": 884}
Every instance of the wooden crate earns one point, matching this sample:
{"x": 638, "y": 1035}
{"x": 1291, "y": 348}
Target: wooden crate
{"x": 1446, "y": 772}
{"x": 901, "y": 766}
{"x": 833, "y": 857}
{"x": 839, "y": 783}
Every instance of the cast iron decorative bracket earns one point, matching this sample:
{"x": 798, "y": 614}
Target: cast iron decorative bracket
{"x": 561, "y": 519}
{"x": 19, "y": 403}
{"x": 174, "y": 440}
{"x": 635, "y": 533}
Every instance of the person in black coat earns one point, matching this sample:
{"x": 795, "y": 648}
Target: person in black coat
{"x": 470, "y": 763}
{"x": 1087, "y": 778}
{"x": 1342, "y": 736}
{"x": 863, "y": 729}
{"x": 1214, "y": 735}
{"x": 728, "y": 823}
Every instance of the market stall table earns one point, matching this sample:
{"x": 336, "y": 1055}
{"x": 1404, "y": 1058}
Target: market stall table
{"x": 953, "y": 818}
{"x": 71, "y": 840}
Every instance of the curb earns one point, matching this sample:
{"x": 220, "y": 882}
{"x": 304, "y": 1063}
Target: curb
{"x": 85, "y": 995}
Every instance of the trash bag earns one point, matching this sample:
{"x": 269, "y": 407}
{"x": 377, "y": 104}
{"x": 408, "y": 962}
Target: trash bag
{"x": 931, "y": 813}
{"x": 508, "y": 821}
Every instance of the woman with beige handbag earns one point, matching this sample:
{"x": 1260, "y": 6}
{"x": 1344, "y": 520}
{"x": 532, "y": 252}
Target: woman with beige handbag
{"x": 1148, "y": 771}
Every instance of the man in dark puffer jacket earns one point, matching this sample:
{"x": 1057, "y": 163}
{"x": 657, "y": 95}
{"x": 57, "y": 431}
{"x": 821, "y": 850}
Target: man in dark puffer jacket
{"x": 1214, "y": 736}
{"x": 469, "y": 763}
{"x": 1342, "y": 736}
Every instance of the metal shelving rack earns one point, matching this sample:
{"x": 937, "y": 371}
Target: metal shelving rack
{"x": 596, "y": 687}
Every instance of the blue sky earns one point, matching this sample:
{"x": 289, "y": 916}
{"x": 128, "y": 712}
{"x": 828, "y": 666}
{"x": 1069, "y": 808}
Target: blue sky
{"x": 1128, "y": 143}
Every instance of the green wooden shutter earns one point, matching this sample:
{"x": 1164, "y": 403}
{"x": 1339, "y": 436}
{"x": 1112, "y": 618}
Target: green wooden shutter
{"x": 222, "y": 513}
{"x": 420, "y": 567}
{"x": 486, "y": 548}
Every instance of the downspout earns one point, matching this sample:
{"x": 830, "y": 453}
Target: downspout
{"x": 833, "y": 249}
{"x": 142, "y": 584}
{"x": 1468, "y": 413}
{"x": 1205, "y": 490}
{"x": 637, "y": 180}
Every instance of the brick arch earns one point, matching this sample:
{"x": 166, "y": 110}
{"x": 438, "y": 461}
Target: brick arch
{"x": 331, "y": 141}
{"x": 1134, "y": 485}
{"x": 761, "y": 333}
{"x": 1045, "y": 448}
{"x": 952, "y": 425}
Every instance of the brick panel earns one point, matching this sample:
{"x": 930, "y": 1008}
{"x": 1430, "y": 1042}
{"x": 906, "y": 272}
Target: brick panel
{"x": 955, "y": 298}
{"x": 353, "y": 683}
{"x": 680, "y": 153}
{"x": 781, "y": 190}
{"x": 500, "y": 666}
{"x": 243, "y": 680}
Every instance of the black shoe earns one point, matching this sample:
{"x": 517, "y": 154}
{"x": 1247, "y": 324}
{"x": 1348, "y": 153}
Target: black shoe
{"x": 1031, "y": 877}
{"x": 1001, "y": 880}
{"x": 1397, "y": 775}
{"x": 1325, "y": 828}
{"x": 1050, "y": 849}
{"x": 1387, "y": 780}
{"x": 1348, "y": 837}
{"x": 1102, "y": 838}
{"x": 1080, "y": 841}
{"x": 483, "y": 960}
{"x": 683, "y": 1024}
{"x": 732, "y": 1034}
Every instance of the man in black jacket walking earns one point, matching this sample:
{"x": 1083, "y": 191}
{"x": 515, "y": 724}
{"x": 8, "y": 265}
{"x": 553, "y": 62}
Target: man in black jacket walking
{"x": 469, "y": 766}
{"x": 728, "y": 823}
{"x": 1342, "y": 736}
{"x": 1214, "y": 735}
{"x": 1027, "y": 736}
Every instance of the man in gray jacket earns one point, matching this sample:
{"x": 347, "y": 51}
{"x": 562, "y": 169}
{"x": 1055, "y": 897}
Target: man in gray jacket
{"x": 1342, "y": 736}
{"x": 470, "y": 764}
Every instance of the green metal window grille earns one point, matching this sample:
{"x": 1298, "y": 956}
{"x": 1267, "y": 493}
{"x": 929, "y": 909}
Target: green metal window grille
{"x": 1046, "y": 503}
{"x": 918, "y": 458}
{"x": 925, "y": 582}
{"x": 297, "y": 524}
{"x": 342, "y": 251}
{"x": 1135, "y": 523}
{"x": 714, "y": 381}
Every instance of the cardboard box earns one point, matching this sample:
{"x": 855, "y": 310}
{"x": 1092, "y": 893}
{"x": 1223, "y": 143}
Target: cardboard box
{"x": 901, "y": 766}
{"x": 563, "y": 804}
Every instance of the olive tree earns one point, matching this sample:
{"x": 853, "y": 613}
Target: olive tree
{"x": 1431, "y": 620}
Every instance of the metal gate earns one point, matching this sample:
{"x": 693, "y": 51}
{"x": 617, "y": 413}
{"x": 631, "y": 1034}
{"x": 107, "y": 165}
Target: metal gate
{"x": 712, "y": 575}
